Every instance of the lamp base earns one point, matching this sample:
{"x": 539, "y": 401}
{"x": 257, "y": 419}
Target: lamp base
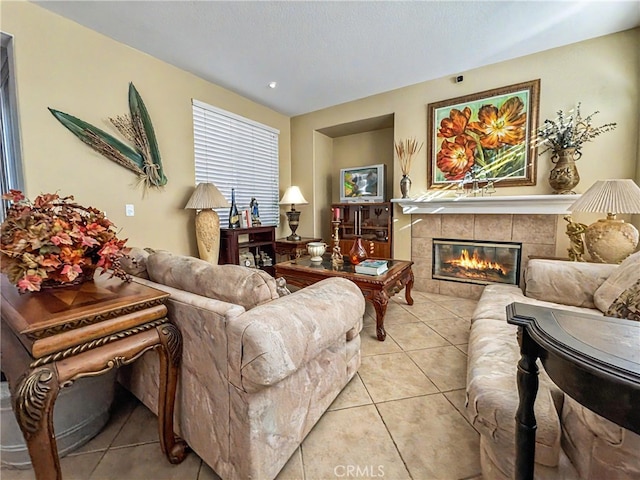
{"x": 610, "y": 240}
{"x": 294, "y": 220}
{"x": 208, "y": 235}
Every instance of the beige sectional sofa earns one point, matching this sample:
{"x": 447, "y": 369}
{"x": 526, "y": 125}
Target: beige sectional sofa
{"x": 571, "y": 441}
{"x": 258, "y": 370}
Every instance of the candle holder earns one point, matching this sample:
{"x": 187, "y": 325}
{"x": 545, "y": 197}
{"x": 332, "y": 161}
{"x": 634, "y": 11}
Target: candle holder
{"x": 336, "y": 254}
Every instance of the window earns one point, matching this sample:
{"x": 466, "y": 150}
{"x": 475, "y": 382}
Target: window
{"x": 11, "y": 174}
{"x": 234, "y": 152}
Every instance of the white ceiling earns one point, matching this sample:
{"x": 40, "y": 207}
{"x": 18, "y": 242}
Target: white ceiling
{"x": 325, "y": 53}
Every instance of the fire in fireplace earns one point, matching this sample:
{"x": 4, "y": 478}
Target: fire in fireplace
{"x": 476, "y": 261}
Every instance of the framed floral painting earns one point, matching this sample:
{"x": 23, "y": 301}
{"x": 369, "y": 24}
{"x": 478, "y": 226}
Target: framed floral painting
{"x": 486, "y": 136}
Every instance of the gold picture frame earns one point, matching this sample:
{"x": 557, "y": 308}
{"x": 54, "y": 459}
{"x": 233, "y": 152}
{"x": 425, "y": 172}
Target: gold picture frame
{"x": 486, "y": 136}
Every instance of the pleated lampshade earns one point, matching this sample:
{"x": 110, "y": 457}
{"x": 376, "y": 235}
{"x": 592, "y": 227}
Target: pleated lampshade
{"x": 610, "y": 196}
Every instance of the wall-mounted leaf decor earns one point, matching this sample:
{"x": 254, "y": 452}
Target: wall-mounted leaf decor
{"x": 143, "y": 158}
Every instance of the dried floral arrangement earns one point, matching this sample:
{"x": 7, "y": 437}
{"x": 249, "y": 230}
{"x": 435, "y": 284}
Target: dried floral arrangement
{"x": 569, "y": 131}
{"x": 405, "y": 151}
{"x": 54, "y": 240}
{"x": 143, "y": 159}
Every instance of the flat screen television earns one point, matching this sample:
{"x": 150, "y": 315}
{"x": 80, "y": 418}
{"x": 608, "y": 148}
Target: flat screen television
{"x": 362, "y": 184}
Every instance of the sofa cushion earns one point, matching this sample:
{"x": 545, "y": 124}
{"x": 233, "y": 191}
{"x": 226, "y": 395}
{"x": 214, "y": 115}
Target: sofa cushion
{"x": 566, "y": 283}
{"x": 627, "y": 305}
{"x": 243, "y": 286}
{"x": 622, "y": 278}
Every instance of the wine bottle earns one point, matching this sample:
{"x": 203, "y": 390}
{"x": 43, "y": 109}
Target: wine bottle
{"x": 234, "y": 216}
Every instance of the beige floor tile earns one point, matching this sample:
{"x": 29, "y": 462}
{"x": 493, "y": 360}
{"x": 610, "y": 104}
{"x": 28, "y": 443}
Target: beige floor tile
{"x": 455, "y": 329}
{"x": 142, "y": 427}
{"x": 78, "y": 467}
{"x": 434, "y": 440}
{"x": 399, "y": 314}
{"x": 393, "y": 376}
{"x": 353, "y": 395}
{"x": 370, "y": 345}
{"x": 461, "y": 307}
{"x": 124, "y": 404}
{"x": 437, "y": 298}
{"x": 351, "y": 443}
{"x": 293, "y": 469}
{"x": 142, "y": 462}
{"x": 458, "y": 398}
{"x": 429, "y": 311}
{"x": 446, "y": 367}
{"x": 413, "y": 336}
{"x": 463, "y": 347}
{"x": 206, "y": 472}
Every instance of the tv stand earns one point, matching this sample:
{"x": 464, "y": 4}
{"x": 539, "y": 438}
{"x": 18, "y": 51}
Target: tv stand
{"x": 376, "y": 222}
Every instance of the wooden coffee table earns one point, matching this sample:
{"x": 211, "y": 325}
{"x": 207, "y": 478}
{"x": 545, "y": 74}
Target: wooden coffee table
{"x": 376, "y": 289}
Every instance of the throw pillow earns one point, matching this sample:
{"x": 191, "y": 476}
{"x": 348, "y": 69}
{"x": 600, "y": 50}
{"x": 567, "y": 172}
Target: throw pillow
{"x": 627, "y": 305}
{"x": 622, "y": 278}
{"x": 135, "y": 263}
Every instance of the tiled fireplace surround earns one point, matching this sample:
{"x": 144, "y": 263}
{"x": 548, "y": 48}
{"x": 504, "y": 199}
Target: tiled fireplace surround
{"x": 537, "y": 233}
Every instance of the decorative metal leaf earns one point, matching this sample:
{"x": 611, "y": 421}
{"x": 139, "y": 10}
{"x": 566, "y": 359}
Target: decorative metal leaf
{"x": 139, "y": 110}
{"x": 143, "y": 159}
{"x": 96, "y": 139}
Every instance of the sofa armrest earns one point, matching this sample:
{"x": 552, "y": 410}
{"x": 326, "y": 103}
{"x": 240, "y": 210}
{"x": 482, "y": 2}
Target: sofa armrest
{"x": 568, "y": 283}
{"x": 269, "y": 342}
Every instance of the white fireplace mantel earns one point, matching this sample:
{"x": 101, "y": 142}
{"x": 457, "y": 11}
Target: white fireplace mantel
{"x": 516, "y": 204}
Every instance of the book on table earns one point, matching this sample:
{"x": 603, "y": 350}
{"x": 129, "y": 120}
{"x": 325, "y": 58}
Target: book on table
{"x": 372, "y": 267}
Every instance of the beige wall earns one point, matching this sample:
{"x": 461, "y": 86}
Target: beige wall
{"x": 602, "y": 73}
{"x": 63, "y": 65}
{"x": 360, "y": 149}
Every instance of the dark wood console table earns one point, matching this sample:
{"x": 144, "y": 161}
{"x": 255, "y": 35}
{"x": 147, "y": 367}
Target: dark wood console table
{"x": 54, "y": 337}
{"x": 594, "y": 359}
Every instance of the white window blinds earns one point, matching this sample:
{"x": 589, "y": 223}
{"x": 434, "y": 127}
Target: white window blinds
{"x": 235, "y": 152}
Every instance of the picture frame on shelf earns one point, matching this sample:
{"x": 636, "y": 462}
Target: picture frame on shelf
{"x": 486, "y": 136}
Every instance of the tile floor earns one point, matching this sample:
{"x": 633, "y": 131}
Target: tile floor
{"x": 399, "y": 418}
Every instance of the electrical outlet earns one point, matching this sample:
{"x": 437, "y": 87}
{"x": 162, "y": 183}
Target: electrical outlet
{"x": 129, "y": 210}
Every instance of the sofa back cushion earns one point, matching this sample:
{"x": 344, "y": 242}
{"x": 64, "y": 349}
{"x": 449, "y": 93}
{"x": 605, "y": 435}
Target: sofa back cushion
{"x": 243, "y": 286}
{"x": 620, "y": 280}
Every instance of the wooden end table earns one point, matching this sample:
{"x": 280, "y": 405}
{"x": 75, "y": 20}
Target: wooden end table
{"x": 54, "y": 337}
{"x": 294, "y": 248}
{"x": 376, "y": 289}
{"x": 593, "y": 359}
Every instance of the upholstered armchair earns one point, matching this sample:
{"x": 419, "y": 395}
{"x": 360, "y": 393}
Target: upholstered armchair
{"x": 258, "y": 370}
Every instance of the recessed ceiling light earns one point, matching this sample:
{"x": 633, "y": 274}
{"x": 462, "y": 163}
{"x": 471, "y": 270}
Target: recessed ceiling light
{"x": 273, "y": 84}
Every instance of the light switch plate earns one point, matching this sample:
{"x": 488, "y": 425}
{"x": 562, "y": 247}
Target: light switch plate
{"x": 129, "y": 210}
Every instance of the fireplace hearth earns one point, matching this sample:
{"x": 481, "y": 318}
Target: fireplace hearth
{"x": 476, "y": 261}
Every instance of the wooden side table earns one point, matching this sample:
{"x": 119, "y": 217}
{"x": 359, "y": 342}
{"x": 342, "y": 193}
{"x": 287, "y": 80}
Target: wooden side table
{"x": 51, "y": 338}
{"x": 293, "y": 248}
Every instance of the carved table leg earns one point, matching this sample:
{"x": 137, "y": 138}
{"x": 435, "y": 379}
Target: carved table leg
{"x": 170, "y": 353}
{"x": 380, "y": 302}
{"x": 527, "y": 378}
{"x": 33, "y": 407}
{"x": 408, "y": 287}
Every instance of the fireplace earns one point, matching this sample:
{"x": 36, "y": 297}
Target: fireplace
{"x": 476, "y": 261}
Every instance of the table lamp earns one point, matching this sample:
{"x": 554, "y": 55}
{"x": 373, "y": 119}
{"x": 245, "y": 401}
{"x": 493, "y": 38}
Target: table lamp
{"x": 293, "y": 196}
{"x": 205, "y": 197}
{"x": 610, "y": 240}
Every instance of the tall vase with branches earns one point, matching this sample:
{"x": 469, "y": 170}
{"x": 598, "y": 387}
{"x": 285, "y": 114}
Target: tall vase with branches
{"x": 405, "y": 151}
